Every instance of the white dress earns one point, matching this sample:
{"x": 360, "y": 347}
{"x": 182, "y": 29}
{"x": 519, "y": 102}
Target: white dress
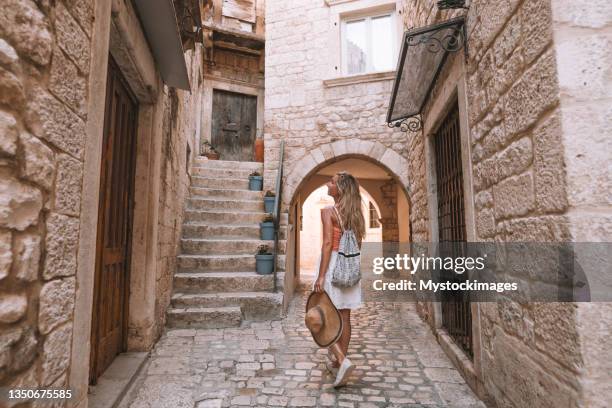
{"x": 343, "y": 298}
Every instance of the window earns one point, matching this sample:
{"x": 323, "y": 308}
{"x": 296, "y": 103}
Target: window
{"x": 374, "y": 223}
{"x": 368, "y": 44}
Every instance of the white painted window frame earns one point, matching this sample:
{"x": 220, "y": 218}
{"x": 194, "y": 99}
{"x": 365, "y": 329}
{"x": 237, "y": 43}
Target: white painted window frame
{"x": 369, "y": 43}
{"x": 340, "y": 10}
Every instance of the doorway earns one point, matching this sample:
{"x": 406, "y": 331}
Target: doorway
{"x": 234, "y": 125}
{"x": 456, "y": 309}
{"x": 115, "y": 214}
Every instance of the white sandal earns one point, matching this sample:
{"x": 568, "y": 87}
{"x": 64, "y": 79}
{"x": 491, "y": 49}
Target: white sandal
{"x": 345, "y": 370}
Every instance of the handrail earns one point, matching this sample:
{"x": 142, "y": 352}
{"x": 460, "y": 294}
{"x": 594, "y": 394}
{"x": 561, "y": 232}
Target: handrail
{"x": 276, "y": 211}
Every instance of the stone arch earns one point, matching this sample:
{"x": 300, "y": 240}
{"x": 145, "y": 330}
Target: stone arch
{"x": 326, "y": 154}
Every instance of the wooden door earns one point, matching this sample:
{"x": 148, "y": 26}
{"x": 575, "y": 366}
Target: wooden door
{"x": 109, "y": 322}
{"x": 234, "y": 121}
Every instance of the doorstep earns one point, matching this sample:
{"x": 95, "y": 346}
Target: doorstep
{"x": 116, "y": 380}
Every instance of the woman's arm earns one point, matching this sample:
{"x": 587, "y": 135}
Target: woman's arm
{"x": 326, "y": 248}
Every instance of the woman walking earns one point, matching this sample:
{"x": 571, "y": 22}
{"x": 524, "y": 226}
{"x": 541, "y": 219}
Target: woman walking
{"x": 345, "y": 214}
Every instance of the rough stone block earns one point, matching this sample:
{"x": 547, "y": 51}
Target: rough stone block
{"x": 523, "y": 379}
{"x": 514, "y": 196}
{"x": 61, "y": 244}
{"x": 485, "y": 223}
{"x": 12, "y": 307}
{"x": 536, "y": 229}
{"x": 549, "y": 169}
{"x": 556, "y": 332}
{"x": 27, "y": 256}
{"x": 8, "y": 55}
{"x": 6, "y": 254}
{"x": 53, "y": 121}
{"x": 56, "y": 304}
{"x": 536, "y": 27}
{"x": 515, "y": 159}
{"x": 24, "y": 351}
{"x": 533, "y": 94}
{"x": 8, "y": 134}
{"x": 11, "y": 89}
{"x": 27, "y": 30}
{"x": 66, "y": 83}
{"x": 82, "y": 10}
{"x": 37, "y": 164}
{"x": 68, "y": 185}
{"x": 20, "y": 204}
{"x": 71, "y": 38}
{"x": 56, "y": 353}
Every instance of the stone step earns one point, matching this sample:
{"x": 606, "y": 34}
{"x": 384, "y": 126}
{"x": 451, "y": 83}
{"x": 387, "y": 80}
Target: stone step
{"x": 229, "y": 193}
{"x": 204, "y": 317}
{"x": 228, "y": 164}
{"x": 225, "y": 204}
{"x": 224, "y": 217}
{"x": 214, "y": 182}
{"x": 254, "y": 305}
{"x": 216, "y": 246}
{"x": 221, "y": 281}
{"x": 215, "y": 172}
{"x": 215, "y": 263}
{"x": 226, "y": 231}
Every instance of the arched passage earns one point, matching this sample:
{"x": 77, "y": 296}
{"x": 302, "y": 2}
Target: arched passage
{"x": 385, "y": 186}
{"x": 298, "y": 172}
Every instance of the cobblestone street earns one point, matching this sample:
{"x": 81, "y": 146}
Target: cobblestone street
{"x": 399, "y": 364}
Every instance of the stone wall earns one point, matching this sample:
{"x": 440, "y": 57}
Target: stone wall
{"x": 301, "y": 106}
{"x": 179, "y": 148}
{"x": 519, "y": 162}
{"x": 44, "y": 67}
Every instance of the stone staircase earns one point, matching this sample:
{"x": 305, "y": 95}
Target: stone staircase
{"x": 216, "y": 284}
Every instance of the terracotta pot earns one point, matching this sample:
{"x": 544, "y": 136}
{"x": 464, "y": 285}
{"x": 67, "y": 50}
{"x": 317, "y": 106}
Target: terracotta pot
{"x": 259, "y": 150}
{"x": 212, "y": 156}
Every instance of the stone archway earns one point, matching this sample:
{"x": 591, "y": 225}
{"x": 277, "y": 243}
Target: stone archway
{"x": 323, "y": 155}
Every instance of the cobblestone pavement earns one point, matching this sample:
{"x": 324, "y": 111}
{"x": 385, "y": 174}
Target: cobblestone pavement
{"x": 399, "y": 364}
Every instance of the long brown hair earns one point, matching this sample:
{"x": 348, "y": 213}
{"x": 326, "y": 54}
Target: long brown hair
{"x": 349, "y": 204}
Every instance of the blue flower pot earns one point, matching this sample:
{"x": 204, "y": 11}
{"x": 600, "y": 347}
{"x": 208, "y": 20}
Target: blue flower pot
{"x": 255, "y": 183}
{"x": 269, "y": 204}
{"x": 266, "y": 231}
{"x": 264, "y": 264}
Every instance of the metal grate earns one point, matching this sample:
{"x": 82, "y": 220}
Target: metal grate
{"x": 456, "y": 313}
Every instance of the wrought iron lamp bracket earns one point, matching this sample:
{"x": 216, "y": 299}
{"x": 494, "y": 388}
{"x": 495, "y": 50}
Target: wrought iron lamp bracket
{"x": 411, "y": 123}
{"x": 452, "y": 42}
{"x": 190, "y": 20}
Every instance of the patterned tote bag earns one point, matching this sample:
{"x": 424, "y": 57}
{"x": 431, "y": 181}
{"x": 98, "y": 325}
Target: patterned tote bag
{"x": 347, "y": 271}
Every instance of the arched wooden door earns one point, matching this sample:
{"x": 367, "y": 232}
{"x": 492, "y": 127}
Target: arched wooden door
{"x": 110, "y": 307}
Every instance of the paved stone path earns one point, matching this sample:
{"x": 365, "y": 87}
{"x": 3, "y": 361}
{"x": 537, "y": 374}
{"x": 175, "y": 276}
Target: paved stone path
{"x": 399, "y": 364}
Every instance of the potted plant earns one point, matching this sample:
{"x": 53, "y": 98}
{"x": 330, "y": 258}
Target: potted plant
{"x": 209, "y": 151}
{"x": 266, "y": 228}
{"x": 255, "y": 181}
{"x": 269, "y": 201}
{"x": 264, "y": 260}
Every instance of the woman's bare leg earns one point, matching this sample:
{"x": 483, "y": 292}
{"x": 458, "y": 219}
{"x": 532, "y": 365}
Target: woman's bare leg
{"x": 337, "y": 350}
{"x": 345, "y": 338}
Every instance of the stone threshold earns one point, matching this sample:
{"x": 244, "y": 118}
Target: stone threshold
{"x": 112, "y": 386}
{"x": 359, "y": 79}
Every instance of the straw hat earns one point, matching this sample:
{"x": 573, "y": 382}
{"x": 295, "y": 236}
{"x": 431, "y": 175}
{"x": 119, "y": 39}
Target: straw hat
{"x": 323, "y": 319}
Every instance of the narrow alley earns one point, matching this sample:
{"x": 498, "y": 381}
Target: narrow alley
{"x": 175, "y": 173}
{"x": 276, "y": 364}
